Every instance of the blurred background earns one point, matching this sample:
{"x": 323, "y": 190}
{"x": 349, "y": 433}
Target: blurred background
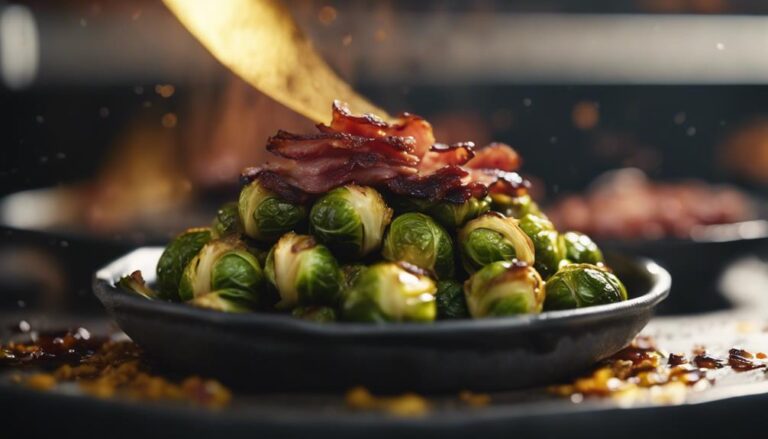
{"x": 118, "y": 129}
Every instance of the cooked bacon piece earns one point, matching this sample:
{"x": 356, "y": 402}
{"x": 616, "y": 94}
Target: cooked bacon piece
{"x": 277, "y": 184}
{"x": 441, "y": 155}
{"x": 495, "y": 156}
{"x": 432, "y": 186}
{"x": 394, "y": 150}
{"x": 369, "y": 125}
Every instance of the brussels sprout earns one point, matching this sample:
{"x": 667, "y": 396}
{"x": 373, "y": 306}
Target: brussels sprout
{"x": 351, "y": 272}
{"x": 580, "y": 285}
{"x": 350, "y": 220}
{"x": 225, "y": 300}
{"x": 451, "y": 303}
{"x": 135, "y": 283}
{"x": 221, "y": 264}
{"x": 515, "y": 206}
{"x": 319, "y": 314}
{"x": 391, "y": 292}
{"x": 579, "y": 248}
{"x": 452, "y": 215}
{"x": 266, "y": 216}
{"x": 304, "y": 272}
{"x": 504, "y": 288}
{"x": 417, "y": 239}
{"x": 546, "y": 243}
{"x": 227, "y": 221}
{"x": 176, "y": 257}
{"x": 493, "y": 237}
{"x": 402, "y": 204}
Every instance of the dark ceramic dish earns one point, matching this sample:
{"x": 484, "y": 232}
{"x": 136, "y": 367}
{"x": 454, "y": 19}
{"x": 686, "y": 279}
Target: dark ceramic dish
{"x": 272, "y": 351}
{"x": 697, "y": 263}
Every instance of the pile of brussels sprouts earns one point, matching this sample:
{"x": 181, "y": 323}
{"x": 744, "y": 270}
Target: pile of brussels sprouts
{"x": 354, "y": 255}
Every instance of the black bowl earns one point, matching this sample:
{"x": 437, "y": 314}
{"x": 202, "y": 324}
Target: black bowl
{"x": 273, "y": 351}
{"x": 697, "y": 263}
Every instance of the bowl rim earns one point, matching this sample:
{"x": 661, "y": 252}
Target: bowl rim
{"x": 106, "y": 291}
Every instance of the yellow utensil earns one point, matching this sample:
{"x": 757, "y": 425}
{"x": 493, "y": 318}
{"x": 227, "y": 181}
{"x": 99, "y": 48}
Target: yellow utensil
{"x": 260, "y": 42}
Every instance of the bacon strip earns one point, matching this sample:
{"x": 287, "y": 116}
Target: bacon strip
{"x": 396, "y": 150}
{"x": 369, "y": 125}
{"x": 495, "y": 156}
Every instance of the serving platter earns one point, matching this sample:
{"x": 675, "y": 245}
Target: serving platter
{"x": 277, "y": 352}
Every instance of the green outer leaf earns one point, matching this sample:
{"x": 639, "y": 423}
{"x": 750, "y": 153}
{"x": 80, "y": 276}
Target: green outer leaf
{"x": 546, "y": 243}
{"x": 226, "y": 300}
{"x": 504, "y": 288}
{"x": 318, "y": 279}
{"x": 483, "y": 246}
{"x": 265, "y": 216}
{"x": 582, "y": 285}
{"x": 579, "y": 248}
{"x": 451, "y": 303}
{"x": 175, "y": 258}
{"x": 135, "y": 283}
{"x": 237, "y": 269}
{"x": 452, "y": 216}
{"x": 386, "y": 292}
{"x": 417, "y": 239}
{"x": 515, "y": 207}
{"x": 227, "y": 221}
{"x": 334, "y": 221}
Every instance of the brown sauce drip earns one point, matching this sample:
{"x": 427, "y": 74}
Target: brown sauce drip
{"x": 676, "y": 360}
{"x": 706, "y": 361}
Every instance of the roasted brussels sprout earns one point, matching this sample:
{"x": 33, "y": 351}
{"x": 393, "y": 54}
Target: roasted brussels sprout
{"x": 546, "y": 243}
{"x": 504, "y": 288}
{"x": 451, "y": 303}
{"x": 515, "y": 206}
{"x": 417, "y": 239}
{"x": 452, "y": 215}
{"x": 580, "y": 285}
{"x": 221, "y": 264}
{"x": 449, "y": 215}
{"x": 351, "y": 272}
{"x": 391, "y": 292}
{"x": 579, "y": 248}
{"x": 304, "y": 272}
{"x": 226, "y": 300}
{"x": 227, "y": 221}
{"x": 135, "y": 283}
{"x": 350, "y": 220}
{"x": 319, "y": 314}
{"x": 493, "y": 237}
{"x": 176, "y": 257}
{"x": 266, "y": 216}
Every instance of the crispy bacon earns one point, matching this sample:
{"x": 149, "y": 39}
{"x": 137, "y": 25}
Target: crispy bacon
{"x": 369, "y": 125}
{"x": 401, "y": 157}
{"x": 395, "y": 150}
{"x": 495, "y": 156}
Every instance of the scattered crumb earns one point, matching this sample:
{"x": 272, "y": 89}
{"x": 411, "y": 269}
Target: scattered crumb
{"x": 407, "y": 404}
{"x": 475, "y": 399}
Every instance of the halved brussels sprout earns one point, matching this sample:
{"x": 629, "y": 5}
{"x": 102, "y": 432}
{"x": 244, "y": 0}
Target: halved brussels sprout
{"x": 227, "y": 221}
{"x": 350, "y": 220}
{"x": 266, "y": 216}
{"x": 546, "y": 243}
{"x": 581, "y": 285}
{"x": 515, "y": 206}
{"x": 221, "y": 264}
{"x": 451, "y": 303}
{"x": 417, "y": 239}
{"x": 504, "y": 288}
{"x": 225, "y": 300}
{"x": 176, "y": 257}
{"x": 319, "y": 314}
{"x": 304, "y": 272}
{"x": 452, "y": 215}
{"x": 579, "y": 248}
{"x": 135, "y": 282}
{"x": 391, "y": 292}
{"x": 493, "y": 237}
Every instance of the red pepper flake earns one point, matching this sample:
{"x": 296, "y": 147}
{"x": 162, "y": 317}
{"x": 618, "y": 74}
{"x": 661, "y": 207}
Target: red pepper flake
{"x": 761, "y": 355}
